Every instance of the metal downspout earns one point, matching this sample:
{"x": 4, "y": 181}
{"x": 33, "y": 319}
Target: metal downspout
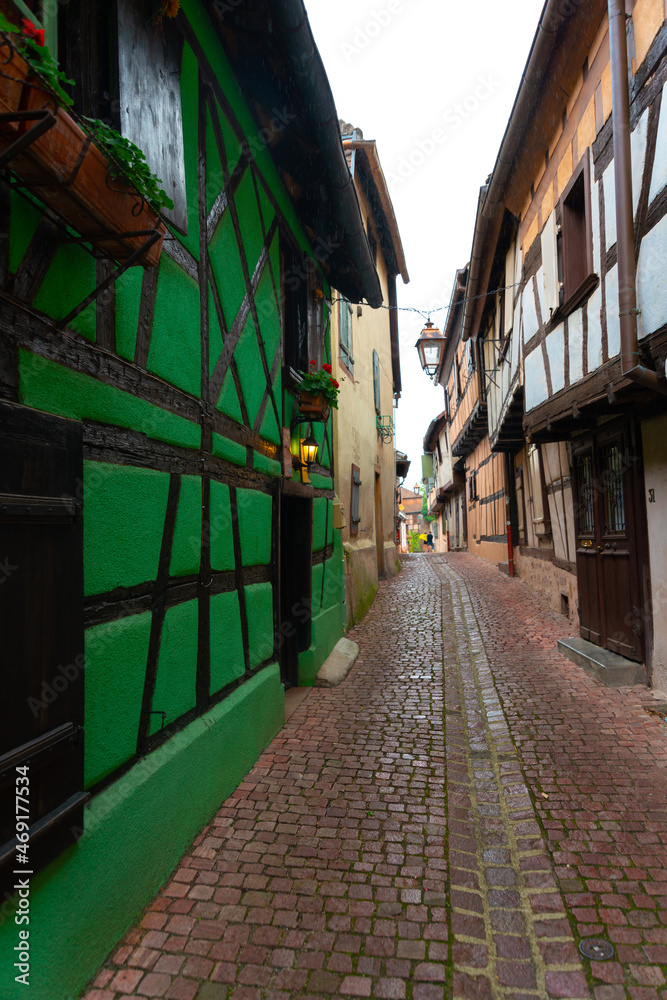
{"x": 627, "y": 290}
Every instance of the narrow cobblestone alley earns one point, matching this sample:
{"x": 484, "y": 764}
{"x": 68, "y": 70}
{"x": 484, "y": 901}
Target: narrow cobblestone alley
{"x": 448, "y": 823}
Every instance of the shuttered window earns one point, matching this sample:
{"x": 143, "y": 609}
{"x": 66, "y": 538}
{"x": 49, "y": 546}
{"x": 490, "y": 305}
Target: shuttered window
{"x": 376, "y": 381}
{"x": 345, "y": 324}
{"x": 41, "y": 608}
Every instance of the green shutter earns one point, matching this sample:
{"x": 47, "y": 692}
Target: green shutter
{"x": 376, "y": 380}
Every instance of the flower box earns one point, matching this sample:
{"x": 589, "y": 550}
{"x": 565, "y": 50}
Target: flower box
{"x": 13, "y": 73}
{"x": 313, "y": 405}
{"x": 67, "y": 172}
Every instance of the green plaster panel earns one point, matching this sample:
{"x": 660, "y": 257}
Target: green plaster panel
{"x": 249, "y": 367}
{"x": 321, "y": 482}
{"x": 222, "y": 541}
{"x": 249, "y": 220}
{"x": 128, "y": 298}
{"x": 259, "y": 608}
{"x": 214, "y": 335}
{"x": 186, "y": 547}
{"x": 255, "y": 511}
{"x": 232, "y": 451}
{"x": 25, "y": 217}
{"x": 227, "y": 660}
{"x": 319, "y": 522}
{"x": 262, "y": 463}
{"x": 190, "y": 116}
{"x": 228, "y": 400}
{"x": 70, "y": 278}
{"x": 226, "y": 267}
{"x": 215, "y": 181}
{"x": 269, "y": 428}
{"x": 46, "y": 385}
{"x": 136, "y": 831}
{"x": 123, "y": 521}
{"x": 175, "y": 347}
{"x": 269, "y": 317}
{"x": 116, "y": 654}
{"x": 208, "y": 39}
{"x": 177, "y": 664}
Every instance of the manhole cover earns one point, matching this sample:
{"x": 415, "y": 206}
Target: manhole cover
{"x": 596, "y": 949}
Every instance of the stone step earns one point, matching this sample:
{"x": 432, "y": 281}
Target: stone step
{"x": 609, "y": 668}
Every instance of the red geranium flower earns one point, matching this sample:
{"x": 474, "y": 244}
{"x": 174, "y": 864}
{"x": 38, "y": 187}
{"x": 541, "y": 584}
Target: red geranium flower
{"x": 334, "y": 382}
{"x": 30, "y": 31}
{"x": 327, "y": 368}
{"x": 312, "y": 362}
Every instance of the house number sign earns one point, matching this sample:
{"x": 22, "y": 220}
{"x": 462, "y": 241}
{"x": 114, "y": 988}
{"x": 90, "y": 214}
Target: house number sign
{"x": 651, "y": 496}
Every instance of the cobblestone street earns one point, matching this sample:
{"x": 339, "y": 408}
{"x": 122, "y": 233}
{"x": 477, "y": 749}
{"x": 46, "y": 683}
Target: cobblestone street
{"x": 448, "y": 823}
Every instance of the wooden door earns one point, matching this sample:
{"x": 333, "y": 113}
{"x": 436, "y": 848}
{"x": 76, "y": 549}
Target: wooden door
{"x": 606, "y": 467}
{"x": 41, "y": 611}
{"x": 295, "y": 583}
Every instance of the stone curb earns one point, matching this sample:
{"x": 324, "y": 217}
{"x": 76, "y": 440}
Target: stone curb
{"x": 338, "y": 664}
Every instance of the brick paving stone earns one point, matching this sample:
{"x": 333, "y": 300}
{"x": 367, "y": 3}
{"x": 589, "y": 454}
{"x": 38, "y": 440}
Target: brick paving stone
{"x": 444, "y": 825}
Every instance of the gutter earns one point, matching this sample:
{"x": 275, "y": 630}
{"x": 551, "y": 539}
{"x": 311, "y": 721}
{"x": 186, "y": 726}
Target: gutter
{"x": 297, "y": 37}
{"x": 627, "y": 289}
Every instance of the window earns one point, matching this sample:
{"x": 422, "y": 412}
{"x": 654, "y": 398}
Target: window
{"x": 472, "y": 487}
{"x": 447, "y": 410}
{"x": 521, "y": 517}
{"x": 354, "y": 505}
{"x": 538, "y": 491}
{"x": 372, "y": 243}
{"x": 345, "y": 326}
{"x": 127, "y": 73}
{"x": 376, "y": 381}
{"x": 299, "y": 347}
{"x": 576, "y": 239}
{"x": 458, "y": 379}
{"x": 503, "y": 339}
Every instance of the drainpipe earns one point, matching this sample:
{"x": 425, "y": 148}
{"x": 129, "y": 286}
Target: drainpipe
{"x": 627, "y": 290}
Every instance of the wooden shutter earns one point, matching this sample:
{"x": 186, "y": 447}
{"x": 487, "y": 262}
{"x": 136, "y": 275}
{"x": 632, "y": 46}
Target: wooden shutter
{"x": 376, "y": 380}
{"x": 41, "y": 608}
{"x": 354, "y": 505}
{"x": 345, "y": 324}
{"x": 149, "y": 62}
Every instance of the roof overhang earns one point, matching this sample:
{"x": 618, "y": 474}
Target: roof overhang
{"x": 270, "y": 46}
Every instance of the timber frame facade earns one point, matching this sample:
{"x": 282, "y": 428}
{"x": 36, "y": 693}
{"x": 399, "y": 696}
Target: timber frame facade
{"x": 173, "y": 570}
{"x": 565, "y": 311}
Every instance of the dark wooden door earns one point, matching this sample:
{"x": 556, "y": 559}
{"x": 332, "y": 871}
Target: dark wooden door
{"x": 41, "y": 611}
{"x": 606, "y": 467}
{"x": 295, "y": 584}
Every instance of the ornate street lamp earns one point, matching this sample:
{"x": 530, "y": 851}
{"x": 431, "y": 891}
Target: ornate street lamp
{"x": 430, "y": 346}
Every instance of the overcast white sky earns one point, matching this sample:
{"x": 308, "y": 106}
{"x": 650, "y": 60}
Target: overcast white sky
{"x": 433, "y": 82}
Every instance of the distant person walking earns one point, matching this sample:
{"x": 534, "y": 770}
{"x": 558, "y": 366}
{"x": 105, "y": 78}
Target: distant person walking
{"x": 429, "y": 542}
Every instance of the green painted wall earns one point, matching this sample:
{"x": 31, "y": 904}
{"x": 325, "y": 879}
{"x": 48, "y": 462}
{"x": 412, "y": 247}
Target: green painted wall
{"x": 135, "y": 833}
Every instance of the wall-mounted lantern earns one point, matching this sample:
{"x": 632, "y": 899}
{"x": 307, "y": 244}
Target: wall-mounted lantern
{"x": 304, "y": 449}
{"x": 308, "y": 449}
{"x": 430, "y": 346}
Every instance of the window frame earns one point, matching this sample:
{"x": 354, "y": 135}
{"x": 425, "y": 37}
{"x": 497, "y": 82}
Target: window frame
{"x": 575, "y": 260}
{"x": 541, "y": 524}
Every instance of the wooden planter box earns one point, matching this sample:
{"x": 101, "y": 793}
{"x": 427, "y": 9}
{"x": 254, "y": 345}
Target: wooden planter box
{"x": 14, "y": 71}
{"x": 67, "y": 172}
{"x": 313, "y": 405}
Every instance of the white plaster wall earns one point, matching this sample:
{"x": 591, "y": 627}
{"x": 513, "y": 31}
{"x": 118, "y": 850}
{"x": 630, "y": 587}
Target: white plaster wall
{"x": 638, "y": 153}
{"x": 651, "y": 283}
{"x": 515, "y": 349}
{"x": 575, "y": 336}
{"x": 530, "y": 324}
{"x": 535, "y": 380}
{"x": 594, "y": 331}
{"x": 595, "y": 211}
{"x": 609, "y": 205}
{"x": 539, "y": 280}
{"x": 556, "y": 353}
{"x": 659, "y": 178}
{"x": 611, "y": 306}
{"x": 654, "y": 436}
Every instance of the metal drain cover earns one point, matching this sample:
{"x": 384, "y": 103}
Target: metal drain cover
{"x": 596, "y": 949}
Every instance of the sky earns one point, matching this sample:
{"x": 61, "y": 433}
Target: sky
{"x": 433, "y": 82}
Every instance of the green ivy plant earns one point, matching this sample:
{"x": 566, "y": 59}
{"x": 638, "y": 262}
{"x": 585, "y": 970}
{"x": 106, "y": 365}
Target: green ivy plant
{"x": 128, "y": 163}
{"x": 30, "y": 46}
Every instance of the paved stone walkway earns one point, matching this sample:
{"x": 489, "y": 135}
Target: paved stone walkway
{"x": 448, "y": 823}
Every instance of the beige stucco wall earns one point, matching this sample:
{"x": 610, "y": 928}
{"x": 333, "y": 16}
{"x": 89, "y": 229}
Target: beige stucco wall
{"x": 654, "y": 436}
{"x": 357, "y": 442}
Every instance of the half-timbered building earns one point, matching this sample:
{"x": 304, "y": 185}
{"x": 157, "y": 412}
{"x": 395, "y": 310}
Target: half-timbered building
{"x": 565, "y": 317}
{"x": 167, "y": 570}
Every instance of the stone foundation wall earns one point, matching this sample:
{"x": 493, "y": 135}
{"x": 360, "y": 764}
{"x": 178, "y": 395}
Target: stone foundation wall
{"x": 552, "y": 582}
